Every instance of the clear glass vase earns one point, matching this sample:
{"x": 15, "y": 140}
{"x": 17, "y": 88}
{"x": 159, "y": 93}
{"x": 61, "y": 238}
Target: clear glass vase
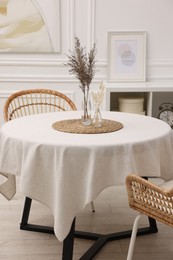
{"x": 86, "y": 107}
{"x": 97, "y": 118}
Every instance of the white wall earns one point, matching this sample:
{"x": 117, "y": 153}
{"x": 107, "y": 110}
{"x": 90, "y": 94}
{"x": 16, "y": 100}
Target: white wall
{"x": 90, "y": 20}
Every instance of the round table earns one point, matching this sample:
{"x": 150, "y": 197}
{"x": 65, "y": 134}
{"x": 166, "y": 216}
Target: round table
{"x": 66, "y": 171}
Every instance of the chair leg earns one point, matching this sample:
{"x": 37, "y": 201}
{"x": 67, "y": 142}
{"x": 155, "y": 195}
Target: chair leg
{"x": 133, "y": 237}
{"x": 92, "y": 206}
{"x": 26, "y": 211}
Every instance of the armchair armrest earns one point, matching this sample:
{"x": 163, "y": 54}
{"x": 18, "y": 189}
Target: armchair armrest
{"x": 150, "y": 199}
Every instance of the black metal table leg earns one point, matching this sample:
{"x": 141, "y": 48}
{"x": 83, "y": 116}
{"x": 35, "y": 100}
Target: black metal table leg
{"x": 67, "y": 253}
{"x": 24, "y": 225}
{"x": 26, "y": 210}
{"x": 99, "y": 239}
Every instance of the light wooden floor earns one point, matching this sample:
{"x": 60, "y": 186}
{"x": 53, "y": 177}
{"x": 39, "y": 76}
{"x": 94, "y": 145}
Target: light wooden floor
{"x": 112, "y": 214}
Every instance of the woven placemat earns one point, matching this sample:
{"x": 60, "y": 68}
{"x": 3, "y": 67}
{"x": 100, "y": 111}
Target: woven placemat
{"x": 75, "y": 126}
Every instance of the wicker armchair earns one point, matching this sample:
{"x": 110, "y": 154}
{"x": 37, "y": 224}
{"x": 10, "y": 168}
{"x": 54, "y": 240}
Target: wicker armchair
{"x": 34, "y": 101}
{"x": 151, "y": 200}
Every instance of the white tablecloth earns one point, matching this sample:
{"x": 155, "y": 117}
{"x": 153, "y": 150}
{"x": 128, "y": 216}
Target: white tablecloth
{"x": 8, "y": 186}
{"x": 67, "y": 171}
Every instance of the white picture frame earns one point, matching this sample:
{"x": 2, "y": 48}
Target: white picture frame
{"x": 127, "y": 56}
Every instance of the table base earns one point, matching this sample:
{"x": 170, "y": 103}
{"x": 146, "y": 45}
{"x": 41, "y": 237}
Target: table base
{"x": 100, "y": 239}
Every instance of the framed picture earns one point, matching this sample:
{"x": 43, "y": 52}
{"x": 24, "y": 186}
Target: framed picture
{"x": 30, "y": 26}
{"x": 126, "y": 56}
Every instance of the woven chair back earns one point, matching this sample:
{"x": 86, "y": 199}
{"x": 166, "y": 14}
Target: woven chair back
{"x": 35, "y": 101}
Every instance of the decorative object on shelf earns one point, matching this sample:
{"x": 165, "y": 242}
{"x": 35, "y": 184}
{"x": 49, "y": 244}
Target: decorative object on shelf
{"x": 132, "y": 105}
{"x": 98, "y": 98}
{"x": 83, "y": 67}
{"x": 166, "y": 113}
{"x": 127, "y": 56}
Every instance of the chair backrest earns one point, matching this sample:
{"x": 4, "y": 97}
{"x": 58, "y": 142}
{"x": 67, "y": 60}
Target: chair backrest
{"x": 34, "y": 101}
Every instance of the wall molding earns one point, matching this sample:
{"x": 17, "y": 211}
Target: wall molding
{"x": 71, "y": 23}
{"x": 7, "y": 93}
{"x": 67, "y": 79}
{"x": 60, "y": 62}
{"x": 35, "y": 78}
{"x": 156, "y": 70}
{"x": 33, "y": 62}
{"x": 91, "y": 23}
{"x": 160, "y": 63}
{"x": 160, "y": 70}
{"x": 31, "y": 78}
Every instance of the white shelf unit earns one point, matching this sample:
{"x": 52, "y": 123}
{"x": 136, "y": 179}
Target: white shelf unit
{"x": 153, "y": 93}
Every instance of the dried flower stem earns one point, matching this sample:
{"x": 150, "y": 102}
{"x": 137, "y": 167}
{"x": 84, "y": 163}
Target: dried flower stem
{"x": 82, "y": 64}
{"x": 98, "y": 97}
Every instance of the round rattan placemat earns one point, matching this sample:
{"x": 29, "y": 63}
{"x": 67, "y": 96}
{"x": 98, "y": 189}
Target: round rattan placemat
{"x": 75, "y": 126}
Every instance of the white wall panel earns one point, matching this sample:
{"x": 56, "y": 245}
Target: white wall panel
{"x": 91, "y": 20}
{"x": 154, "y": 16}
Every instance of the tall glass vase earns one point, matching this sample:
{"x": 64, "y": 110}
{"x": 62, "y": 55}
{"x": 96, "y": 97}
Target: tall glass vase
{"x": 86, "y": 105}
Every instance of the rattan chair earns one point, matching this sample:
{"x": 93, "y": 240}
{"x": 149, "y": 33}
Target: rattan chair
{"x": 34, "y": 101}
{"x": 151, "y": 200}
